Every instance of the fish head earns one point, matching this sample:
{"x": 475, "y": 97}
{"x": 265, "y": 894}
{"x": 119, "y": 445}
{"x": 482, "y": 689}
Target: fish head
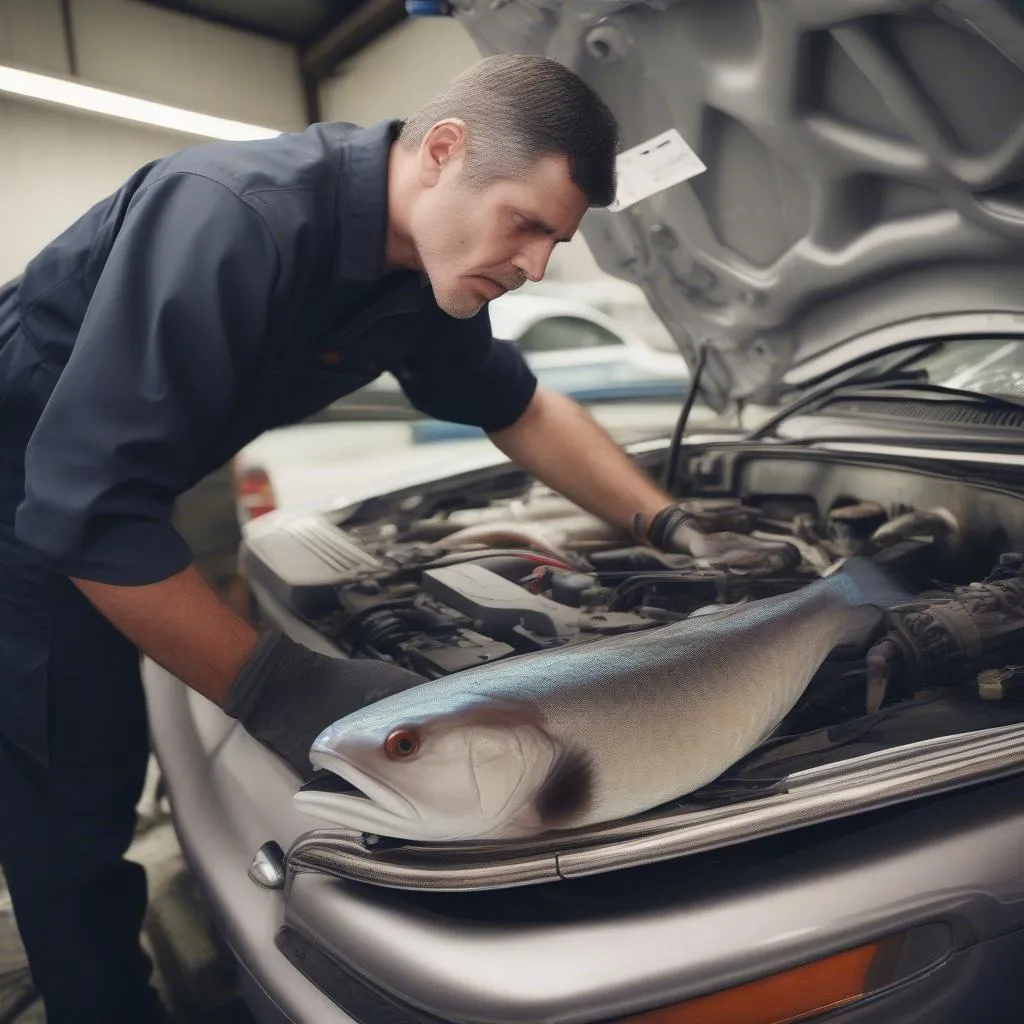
{"x": 459, "y": 773}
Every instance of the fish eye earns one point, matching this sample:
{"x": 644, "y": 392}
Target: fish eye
{"x": 401, "y": 743}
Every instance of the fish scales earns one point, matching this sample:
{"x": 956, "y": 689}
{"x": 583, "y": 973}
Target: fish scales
{"x": 676, "y": 706}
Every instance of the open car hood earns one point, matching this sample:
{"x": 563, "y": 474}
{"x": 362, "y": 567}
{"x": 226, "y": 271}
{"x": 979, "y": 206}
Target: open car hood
{"x": 864, "y": 165}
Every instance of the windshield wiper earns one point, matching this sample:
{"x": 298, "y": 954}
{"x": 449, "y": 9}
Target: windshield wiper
{"x": 863, "y": 371}
{"x": 916, "y": 387}
{"x": 911, "y": 381}
{"x": 832, "y": 387}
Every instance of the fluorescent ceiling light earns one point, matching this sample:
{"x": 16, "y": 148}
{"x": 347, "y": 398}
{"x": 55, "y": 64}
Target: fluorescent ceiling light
{"x": 50, "y": 89}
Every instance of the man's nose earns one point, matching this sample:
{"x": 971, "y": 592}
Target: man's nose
{"x": 532, "y": 259}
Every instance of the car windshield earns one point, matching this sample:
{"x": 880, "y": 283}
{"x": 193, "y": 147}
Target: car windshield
{"x": 986, "y": 366}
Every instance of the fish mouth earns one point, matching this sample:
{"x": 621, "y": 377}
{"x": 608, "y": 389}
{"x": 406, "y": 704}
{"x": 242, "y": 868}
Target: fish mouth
{"x": 365, "y": 789}
{"x": 366, "y": 804}
{"x": 355, "y": 799}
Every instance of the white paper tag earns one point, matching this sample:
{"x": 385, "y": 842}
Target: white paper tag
{"x": 653, "y": 166}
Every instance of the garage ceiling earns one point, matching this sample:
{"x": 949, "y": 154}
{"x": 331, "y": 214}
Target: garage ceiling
{"x": 323, "y": 31}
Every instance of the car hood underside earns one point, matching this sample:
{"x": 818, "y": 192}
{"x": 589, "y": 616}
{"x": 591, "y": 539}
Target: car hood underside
{"x": 863, "y": 164}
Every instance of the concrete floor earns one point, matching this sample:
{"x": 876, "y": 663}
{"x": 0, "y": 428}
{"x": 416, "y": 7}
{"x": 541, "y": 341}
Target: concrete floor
{"x": 191, "y": 971}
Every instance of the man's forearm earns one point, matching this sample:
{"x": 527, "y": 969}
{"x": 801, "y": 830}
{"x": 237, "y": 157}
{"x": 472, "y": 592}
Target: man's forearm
{"x": 560, "y": 442}
{"x": 182, "y": 625}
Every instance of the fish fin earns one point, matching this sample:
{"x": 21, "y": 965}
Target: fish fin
{"x": 871, "y": 584}
{"x": 567, "y": 790}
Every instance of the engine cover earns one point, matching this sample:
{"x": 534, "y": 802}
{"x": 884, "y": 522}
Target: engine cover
{"x": 303, "y": 562}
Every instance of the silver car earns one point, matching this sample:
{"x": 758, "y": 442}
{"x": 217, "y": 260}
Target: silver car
{"x": 823, "y": 200}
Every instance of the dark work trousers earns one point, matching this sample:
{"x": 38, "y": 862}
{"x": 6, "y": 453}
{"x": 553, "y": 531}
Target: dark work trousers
{"x": 65, "y": 825}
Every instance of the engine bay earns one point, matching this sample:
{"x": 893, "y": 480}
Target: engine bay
{"x": 447, "y": 580}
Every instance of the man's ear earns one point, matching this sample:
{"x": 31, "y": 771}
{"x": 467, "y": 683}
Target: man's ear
{"x": 443, "y": 146}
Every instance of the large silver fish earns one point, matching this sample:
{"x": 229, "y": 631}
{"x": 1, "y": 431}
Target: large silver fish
{"x": 587, "y": 734}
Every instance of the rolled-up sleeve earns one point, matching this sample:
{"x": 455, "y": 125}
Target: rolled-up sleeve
{"x": 177, "y": 313}
{"x": 461, "y": 373}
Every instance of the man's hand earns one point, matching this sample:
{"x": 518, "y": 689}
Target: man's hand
{"x": 671, "y": 529}
{"x": 560, "y": 442}
{"x": 675, "y": 530}
{"x": 284, "y": 694}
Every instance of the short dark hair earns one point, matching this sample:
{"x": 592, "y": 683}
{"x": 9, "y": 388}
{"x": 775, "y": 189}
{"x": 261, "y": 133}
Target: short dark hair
{"x": 518, "y": 108}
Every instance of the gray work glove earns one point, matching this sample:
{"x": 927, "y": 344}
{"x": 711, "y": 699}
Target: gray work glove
{"x": 676, "y": 531}
{"x": 673, "y": 530}
{"x": 286, "y": 695}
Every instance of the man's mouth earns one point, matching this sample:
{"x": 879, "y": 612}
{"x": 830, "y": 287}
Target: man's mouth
{"x": 491, "y": 288}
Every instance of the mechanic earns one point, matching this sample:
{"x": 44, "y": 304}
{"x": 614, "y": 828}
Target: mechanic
{"x": 222, "y": 291}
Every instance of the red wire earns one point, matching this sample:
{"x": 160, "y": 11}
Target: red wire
{"x": 544, "y": 560}
{"x": 533, "y": 581}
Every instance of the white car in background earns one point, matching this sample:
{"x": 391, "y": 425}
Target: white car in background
{"x": 556, "y": 331}
{"x": 632, "y": 387}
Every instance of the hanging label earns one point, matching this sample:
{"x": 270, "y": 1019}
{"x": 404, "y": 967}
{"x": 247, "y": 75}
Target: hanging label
{"x": 654, "y": 166}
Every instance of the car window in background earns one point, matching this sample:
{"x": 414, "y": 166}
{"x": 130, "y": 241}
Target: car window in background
{"x": 562, "y": 333}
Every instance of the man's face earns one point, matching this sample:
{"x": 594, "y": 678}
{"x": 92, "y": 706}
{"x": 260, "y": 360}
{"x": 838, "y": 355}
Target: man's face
{"x": 475, "y": 244}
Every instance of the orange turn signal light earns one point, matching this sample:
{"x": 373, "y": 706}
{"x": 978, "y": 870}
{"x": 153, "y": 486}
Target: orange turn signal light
{"x": 781, "y": 998}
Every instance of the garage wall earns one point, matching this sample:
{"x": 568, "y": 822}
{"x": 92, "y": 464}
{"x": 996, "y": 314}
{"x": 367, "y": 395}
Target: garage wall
{"x": 378, "y": 83}
{"x": 55, "y": 165}
{"x": 170, "y": 57}
{"x": 56, "y": 162}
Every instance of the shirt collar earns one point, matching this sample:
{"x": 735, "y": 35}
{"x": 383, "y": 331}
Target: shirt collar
{"x": 362, "y": 202}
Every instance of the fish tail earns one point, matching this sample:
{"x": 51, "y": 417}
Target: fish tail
{"x": 863, "y": 582}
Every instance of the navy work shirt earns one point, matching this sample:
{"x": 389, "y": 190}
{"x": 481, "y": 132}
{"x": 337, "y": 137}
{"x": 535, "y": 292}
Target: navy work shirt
{"x": 224, "y": 290}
